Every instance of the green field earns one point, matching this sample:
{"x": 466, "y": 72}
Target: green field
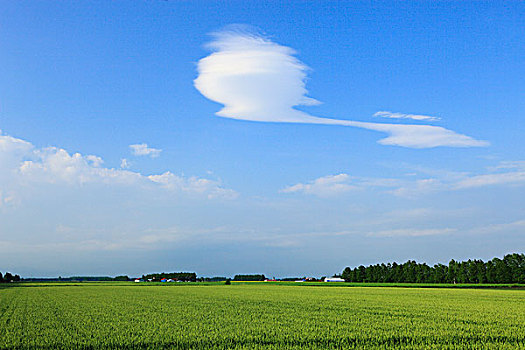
{"x": 257, "y": 315}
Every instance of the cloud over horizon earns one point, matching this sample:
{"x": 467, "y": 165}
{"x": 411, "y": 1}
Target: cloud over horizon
{"x": 22, "y": 164}
{"x": 513, "y": 174}
{"x": 257, "y": 79}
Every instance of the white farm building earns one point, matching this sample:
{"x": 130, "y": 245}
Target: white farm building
{"x": 333, "y": 279}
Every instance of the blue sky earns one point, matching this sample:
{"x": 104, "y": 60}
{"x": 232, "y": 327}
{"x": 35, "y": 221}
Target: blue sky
{"x": 155, "y": 136}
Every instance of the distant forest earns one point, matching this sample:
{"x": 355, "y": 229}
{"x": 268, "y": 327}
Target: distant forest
{"x": 510, "y": 269}
{"x": 249, "y": 278}
{"x": 8, "y": 277}
{"x": 176, "y": 276}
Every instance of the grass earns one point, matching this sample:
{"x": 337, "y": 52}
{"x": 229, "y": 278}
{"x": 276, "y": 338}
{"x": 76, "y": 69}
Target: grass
{"x": 256, "y": 316}
{"x": 396, "y": 285}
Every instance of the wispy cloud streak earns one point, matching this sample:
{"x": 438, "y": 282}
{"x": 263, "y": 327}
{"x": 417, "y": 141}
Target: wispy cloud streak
{"x": 142, "y": 149}
{"x": 390, "y": 115}
{"x": 337, "y": 185}
{"x": 325, "y": 186}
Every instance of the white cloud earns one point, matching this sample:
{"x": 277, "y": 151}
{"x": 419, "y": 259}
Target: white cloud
{"x": 94, "y": 160}
{"x": 325, "y": 186}
{"x": 142, "y": 149}
{"x": 508, "y": 178}
{"x": 514, "y": 226}
{"x": 5, "y": 199}
{"x": 513, "y": 175}
{"x": 412, "y": 232}
{"x": 11, "y": 150}
{"x": 259, "y": 80}
{"x": 124, "y": 163}
{"x": 193, "y": 185}
{"x": 420, "y": 136}
{"x": 517, "y": 164}
{"x": 391, "y": 115}
{"x": 333, "y": 185}
{"x": 56, "y": 165}
{"x": 10, "y": 145}
{"x": 419, "y": 187}
{"x": 22, "y": 163}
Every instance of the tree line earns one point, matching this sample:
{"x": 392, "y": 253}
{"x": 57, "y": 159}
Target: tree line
{"x": 249, "y": 278}
{"x": 176, "y": 276}
{"x": 510, "y": 269}
{"x": 8, "y": 277}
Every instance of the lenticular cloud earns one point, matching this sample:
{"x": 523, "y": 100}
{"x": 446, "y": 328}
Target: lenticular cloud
{"x": 259, "y": 80}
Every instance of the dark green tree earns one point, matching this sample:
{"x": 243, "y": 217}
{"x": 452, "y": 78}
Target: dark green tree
{"x": 8, "y": 277}
{"x": 510, "y": 269}
{"x": 260, "y": 277}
